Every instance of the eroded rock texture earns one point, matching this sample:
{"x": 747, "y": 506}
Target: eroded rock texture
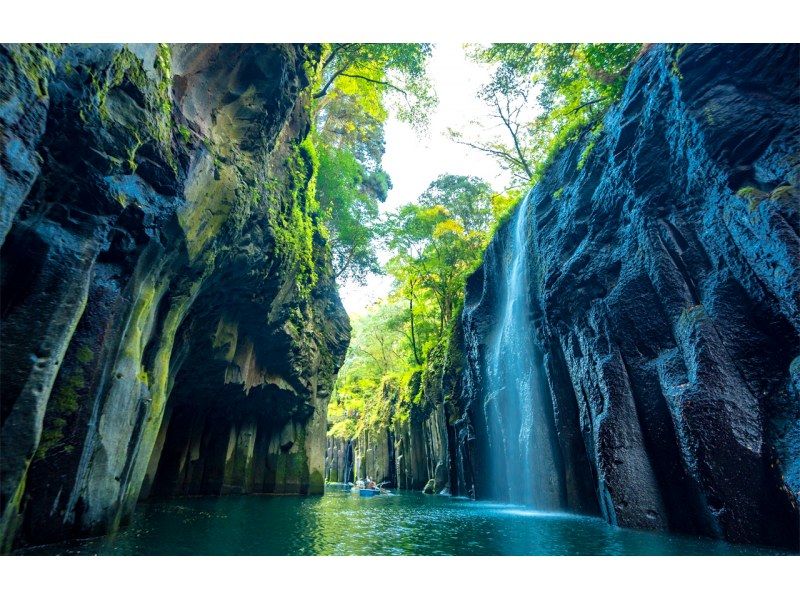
{"x": 411, "y": 452}
{"x": 664, "y": 270}
{"x": 170, "y": 323}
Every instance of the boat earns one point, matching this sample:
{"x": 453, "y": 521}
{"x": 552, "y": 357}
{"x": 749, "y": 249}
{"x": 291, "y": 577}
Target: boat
{"x": 360, "y": 488}
{"x": 366, "y": 491}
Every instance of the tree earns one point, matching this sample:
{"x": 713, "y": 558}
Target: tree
{"x": 435, "y": 243}
{"x": 358, "y": 84}
{"x": 348, "y": 195}
{"x": 434, "y": 252}
{"x": 468, "y": 199}
{"x": 542, "y": 96}
{"x": 369, "y": 71}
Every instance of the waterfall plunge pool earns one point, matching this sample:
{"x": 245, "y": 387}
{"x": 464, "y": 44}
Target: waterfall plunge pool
{"x": 406, "y": 523}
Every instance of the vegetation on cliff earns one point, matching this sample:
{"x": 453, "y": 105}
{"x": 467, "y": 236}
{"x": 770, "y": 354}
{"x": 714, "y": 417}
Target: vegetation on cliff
{"x": 541, "y": 96}
{"x": 356, "y": 86}
{"x": 434, "y": 243}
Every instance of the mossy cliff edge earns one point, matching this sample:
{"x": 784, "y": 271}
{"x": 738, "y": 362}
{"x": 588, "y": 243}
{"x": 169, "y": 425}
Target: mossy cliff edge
{"x": 664, "y": 282}
{"x": 170, "y": 322}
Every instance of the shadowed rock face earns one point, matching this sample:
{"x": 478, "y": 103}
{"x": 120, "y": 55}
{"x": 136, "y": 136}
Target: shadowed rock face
{"x": 665, "y": 280}
{"x": 170, "y": 323}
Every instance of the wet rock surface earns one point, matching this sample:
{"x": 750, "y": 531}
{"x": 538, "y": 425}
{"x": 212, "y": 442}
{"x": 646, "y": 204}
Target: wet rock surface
{"x": 664, "y": 274}
{"x": 170, "y": 322}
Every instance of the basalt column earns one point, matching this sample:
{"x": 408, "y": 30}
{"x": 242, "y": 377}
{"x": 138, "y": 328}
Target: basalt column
{"x": 170, "y": 323}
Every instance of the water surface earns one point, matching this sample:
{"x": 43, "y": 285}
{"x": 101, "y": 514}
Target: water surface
{"x": 339, "y": 523}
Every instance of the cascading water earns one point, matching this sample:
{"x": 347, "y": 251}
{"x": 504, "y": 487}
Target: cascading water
{"x": 524, "y": 458}
{"x": 348, "y": 463}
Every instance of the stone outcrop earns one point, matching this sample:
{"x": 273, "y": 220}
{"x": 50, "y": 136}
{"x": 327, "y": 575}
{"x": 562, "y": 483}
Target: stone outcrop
{"x": 665, "y": 275}
{"x": 170, "y": 322}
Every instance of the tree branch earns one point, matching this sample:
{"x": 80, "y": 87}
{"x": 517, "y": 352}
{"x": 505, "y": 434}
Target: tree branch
{"x": 376, "y": 81}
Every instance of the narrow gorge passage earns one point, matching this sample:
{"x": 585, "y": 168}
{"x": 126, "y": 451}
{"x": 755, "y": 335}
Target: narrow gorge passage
{"x": 222, "y": 315}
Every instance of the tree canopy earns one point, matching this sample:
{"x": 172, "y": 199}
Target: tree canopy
{"x": 435, "y": 243}
{"x": 357, "y": 85}
{"x": 542, "y": 96}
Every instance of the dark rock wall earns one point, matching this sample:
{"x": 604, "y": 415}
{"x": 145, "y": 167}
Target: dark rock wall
{"x": 417, "y": 450}
{"x": 170, "y": 323}
{"x": 664, "y": 265}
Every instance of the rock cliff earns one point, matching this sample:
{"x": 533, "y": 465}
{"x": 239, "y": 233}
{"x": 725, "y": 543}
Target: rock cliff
{"x": 664, "y": 284}
{"x": 170, "y": 322}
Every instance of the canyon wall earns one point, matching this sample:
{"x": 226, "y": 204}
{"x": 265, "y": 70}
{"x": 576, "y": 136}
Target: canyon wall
{"x": 170, "y": 321}
{"x": 664, "y": 289}
{"x": 412, "y": 452}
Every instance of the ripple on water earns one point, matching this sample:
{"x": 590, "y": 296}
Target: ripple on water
{"x": 404, "y": 524}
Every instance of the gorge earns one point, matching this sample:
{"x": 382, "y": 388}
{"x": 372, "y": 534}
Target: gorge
{"x": 170, "y": 321}
{"x": 627, "y": 349}
{"x": 654, "y": 311}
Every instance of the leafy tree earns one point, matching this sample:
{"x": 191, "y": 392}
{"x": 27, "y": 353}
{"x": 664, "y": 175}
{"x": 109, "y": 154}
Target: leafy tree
{"x": 369, "y": 71}
{"x": 358, "y": 84}
{"x": 468, "y": 199}
{"x": 570, "y": 86}
{"x": 348, "y": 196}
{"x": 377, "y": 352}
{"x": 435, "y": 243}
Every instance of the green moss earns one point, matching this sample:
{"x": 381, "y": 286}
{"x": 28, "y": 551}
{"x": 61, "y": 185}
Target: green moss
{"x": 185, "y": 133}
{"x": 126, "y": 66}
{"x": 137, "y": 143}
{"x": 210, "y": 201}
{"x": 783, "y": 193}
{"x": 294, "y": 228}
{"x": 675, "y": 69}
{"x": 753, "y": 196}
{"x": 85, "y": 354}
{"x": 316, "y": 483}
{"x": 587, "y": 150}
{"x": 558, "y": 192}
{"x": 143, "y": 377}
{"x": 64, "y": 403}
{"x": 36, "y": 62}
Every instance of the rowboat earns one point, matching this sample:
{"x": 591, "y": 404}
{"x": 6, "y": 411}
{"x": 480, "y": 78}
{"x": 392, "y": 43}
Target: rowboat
{"x": 361, "y": 489}
{"x": 365, "y": 491}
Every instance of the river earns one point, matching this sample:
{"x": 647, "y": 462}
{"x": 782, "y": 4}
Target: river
{"x": 405, "y": 523}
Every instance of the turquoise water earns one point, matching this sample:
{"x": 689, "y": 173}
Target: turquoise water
{"x": 403, "y": 524}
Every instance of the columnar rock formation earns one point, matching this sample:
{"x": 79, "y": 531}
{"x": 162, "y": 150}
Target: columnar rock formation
{"x": 170, "y": 323}
{"x": 664, "y": 283}
{"x": 663, "y": 290}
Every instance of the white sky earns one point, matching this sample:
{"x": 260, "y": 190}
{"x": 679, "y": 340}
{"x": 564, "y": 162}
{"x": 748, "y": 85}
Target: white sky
{"x": 413, "y": 163}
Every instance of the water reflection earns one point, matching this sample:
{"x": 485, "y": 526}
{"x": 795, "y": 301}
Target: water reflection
{"x": 405, "y": 524}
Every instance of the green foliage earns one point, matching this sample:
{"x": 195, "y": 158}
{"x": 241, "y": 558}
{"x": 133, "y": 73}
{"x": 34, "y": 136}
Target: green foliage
{"x": 376, "y": 359}
{"x": 378, "y": 74}
{"x": 543, "y": 96}
{"x": 349, "y": 196}
{"x": 294, "y": 226}
{"x": 435, "y": 244}
{"x": 357, "y": 85}
{"x": 185, "y": 133}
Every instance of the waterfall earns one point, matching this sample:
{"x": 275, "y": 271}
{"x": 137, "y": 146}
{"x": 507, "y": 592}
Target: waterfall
{"x": 347, "y": 469}
{"x": 524, "y": 459}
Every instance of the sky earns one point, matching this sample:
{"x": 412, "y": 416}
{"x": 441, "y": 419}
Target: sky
{"x": 413, "y": 162}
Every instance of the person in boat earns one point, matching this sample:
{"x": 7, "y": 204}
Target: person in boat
{"x": 370, "y": 483}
